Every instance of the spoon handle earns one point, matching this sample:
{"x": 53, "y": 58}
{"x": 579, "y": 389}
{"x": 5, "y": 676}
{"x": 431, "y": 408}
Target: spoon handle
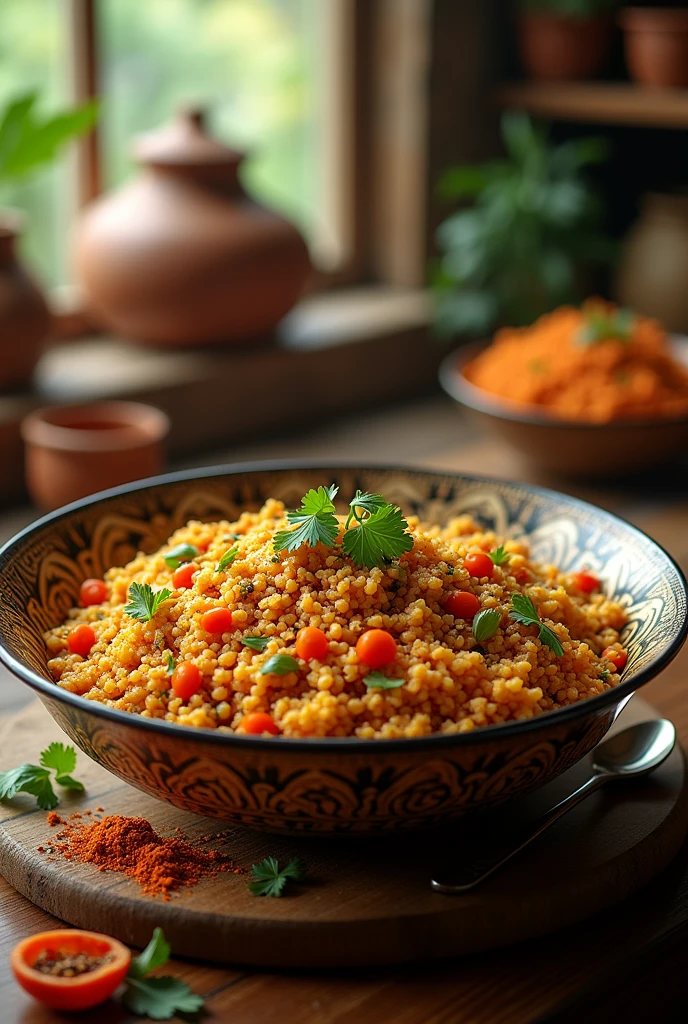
{"x": 466, "y": 876}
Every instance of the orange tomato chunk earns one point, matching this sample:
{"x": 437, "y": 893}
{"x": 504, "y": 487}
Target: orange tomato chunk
{"x": 92, "y": 592}
{"x": 217, "y": 620}
{"x": 186, "y": 680}
{"x": 311, "y": 642}
{"x": 462, "y": 604}
{"x": 257, "y": 723}
{"x": 80, "y": 640}
{"x": 181, "y": 577}
{"x": 478, "y": 564}
{"x": 376, "y": 647}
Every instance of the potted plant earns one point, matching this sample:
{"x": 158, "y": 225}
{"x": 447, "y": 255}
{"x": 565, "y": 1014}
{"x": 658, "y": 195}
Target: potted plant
{"x": 27, "y": 141}
{"x": 523, "y": 247}
{"x": 656, "y": 45}
{"x": 564, "y": 39}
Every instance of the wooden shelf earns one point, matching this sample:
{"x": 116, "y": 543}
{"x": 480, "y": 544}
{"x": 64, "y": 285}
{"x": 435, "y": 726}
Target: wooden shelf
{"x": 602, "y": 102}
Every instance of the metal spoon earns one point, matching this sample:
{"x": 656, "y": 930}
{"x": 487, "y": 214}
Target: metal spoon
{"x": 627, "y": 754}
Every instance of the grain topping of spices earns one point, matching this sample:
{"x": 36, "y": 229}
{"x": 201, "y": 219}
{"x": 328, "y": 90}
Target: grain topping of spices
{"x": 160, "y": 865}
{"x": 68, "y": 965}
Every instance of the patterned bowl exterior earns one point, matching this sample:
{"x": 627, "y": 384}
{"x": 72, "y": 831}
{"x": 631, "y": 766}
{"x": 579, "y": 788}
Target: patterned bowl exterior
{"x": 331, "y": 786}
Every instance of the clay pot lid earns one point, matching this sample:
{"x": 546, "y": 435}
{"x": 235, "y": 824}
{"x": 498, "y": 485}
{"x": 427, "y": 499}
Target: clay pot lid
{"x": 184, "y": 142}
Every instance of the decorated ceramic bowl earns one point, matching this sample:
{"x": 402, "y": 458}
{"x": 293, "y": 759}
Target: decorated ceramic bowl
{"x": 331, "y": 786}
{"x": 620, "y": 448}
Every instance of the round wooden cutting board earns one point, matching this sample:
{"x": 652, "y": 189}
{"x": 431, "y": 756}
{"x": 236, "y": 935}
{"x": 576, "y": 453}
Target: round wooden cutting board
{"x": 364, "y": 902}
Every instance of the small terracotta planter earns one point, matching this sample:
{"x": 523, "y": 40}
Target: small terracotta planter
{"x": 656, "y": 44}
{"x": 24, "y": 315}
{"x": 75, "y": 450}
{"x": 555, "y": 47}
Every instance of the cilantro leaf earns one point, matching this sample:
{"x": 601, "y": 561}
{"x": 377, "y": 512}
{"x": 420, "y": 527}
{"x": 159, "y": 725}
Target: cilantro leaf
{"x": 524, "y": 611}
{"x": 60, "y": 757}
{"x": 156, "y": 953}
{"x": 227, "y": 559}
{"x": 67, "y": 782}
{"x": 182, "y": 553}
{"x": 381, "y": 682}
{"x": 382, "y": 536}
{"x": 144, "y": 601}
{"x": 279, "y": 665}
{"x": 160, "y": 998}
{"x": 170, "y": 663}
{"x": 486, "y": 623}
{"x": 315, "y": 522}
{"x": 368, "y": 502}
{"x": 29, "y": 778}
{"x": 256, "y": 643}
{"x": 270, "y": 880}
{"x": 499, "y": 556}
{"x": 602, "y": 325}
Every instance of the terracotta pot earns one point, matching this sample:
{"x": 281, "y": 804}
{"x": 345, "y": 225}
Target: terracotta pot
{"x": 76, "y": 450}
{"x": 653, "y": 271}
{"x": 24, "y": 315}
{"x": 656, "y": 43}
{"x": 181, "y": 255}
{"x": 554, "y": 47}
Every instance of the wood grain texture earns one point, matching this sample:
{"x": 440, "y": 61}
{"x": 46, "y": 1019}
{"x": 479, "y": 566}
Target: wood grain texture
{"x": 602, "y": 102}
{"x": 364, "y": 904}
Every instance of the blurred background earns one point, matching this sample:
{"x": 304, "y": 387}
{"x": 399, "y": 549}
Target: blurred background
{"x": 273, "y": 219}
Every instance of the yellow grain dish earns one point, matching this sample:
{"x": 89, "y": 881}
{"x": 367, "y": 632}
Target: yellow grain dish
{"x": 450, "y": 682}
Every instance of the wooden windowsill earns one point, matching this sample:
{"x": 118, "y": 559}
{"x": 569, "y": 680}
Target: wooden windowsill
{"x": 331, "y": 354}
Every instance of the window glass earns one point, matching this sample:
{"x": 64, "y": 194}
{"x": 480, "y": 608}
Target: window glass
{"x": 33, "y": 55}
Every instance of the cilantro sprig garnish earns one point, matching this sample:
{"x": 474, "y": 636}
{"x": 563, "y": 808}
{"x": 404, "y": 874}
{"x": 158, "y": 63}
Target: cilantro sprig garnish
{"x": 160, "y": 998}
{"x": 144, "y": 601}
{"x": 499, "y": 556}
{"x": 169, "y": 657}
{"x": 227, "y": 559}
{"x": 270, "y": 880}
{"x": 375, "y": 532}
{"x": 37, "y": 780}
{"x": 602, "y": 325}
{"x": 378, "y": 536}
{"x": 182, "y": 553}
{"x": 315, "y": 521}
{"x": 524, "y": 611}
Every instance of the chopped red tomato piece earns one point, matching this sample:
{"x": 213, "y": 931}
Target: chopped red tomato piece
{"x": 80, "y": 640}
{"x": 376, "y": 647}
{"x": 586, "y": 582}
{"x": 479, "y": 564}
{"x": 181, "y": 577}
{"x": 311, "y": 643}
{"x": 617, "y": 658}
{"x": 92, "y": 592}
{"x": 217, "y": 620}
{"x": 257, "y": 723}
{"x": 462, "y": 604}
{"x": 186, "y": 680}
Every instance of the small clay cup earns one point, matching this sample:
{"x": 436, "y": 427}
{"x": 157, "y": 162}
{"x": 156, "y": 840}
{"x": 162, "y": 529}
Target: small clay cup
{"x": 76, "y": 450}
{"x": 656, "y": 45}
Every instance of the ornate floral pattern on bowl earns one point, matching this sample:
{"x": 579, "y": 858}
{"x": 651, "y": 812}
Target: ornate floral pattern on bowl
{"x": 333, "y": 785}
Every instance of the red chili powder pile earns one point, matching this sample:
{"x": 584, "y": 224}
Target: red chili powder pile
{"x": 131, "y": 845}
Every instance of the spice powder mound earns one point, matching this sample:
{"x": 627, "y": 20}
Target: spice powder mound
{"x": 159, "y": 864}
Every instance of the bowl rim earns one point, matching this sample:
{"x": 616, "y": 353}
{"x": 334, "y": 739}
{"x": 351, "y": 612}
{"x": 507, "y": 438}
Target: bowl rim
{"x": 455, "y": 384}
{"x": 332, "y": 744}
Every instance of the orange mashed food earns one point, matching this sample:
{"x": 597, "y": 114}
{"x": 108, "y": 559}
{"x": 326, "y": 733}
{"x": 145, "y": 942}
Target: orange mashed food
{"x": 555, "y": 364}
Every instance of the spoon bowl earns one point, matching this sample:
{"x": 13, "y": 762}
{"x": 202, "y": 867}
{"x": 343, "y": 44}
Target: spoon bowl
{"x": 636, "y": 750}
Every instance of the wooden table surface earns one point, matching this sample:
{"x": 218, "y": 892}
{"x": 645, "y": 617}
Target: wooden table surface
{"x": 625, "y": 965}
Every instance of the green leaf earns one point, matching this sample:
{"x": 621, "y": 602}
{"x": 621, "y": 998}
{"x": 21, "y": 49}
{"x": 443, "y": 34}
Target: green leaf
{"x": 279, "y": 665}
{"x": 486, "y": 623}
{"x": 60, "y": 757}
{"x": 368, "y": 502}
{"x": 227, "y": 559}
{"x": 156, "y": 953}
{"x": 170, "y": 663}
{"x": 144, "y": 602}
{"x": 499, "y": 556}
{"x": 381, "y": 537}
{"x": 256, "y": 643}
{"x": 160, "y": 998}
{"x": 270, "y": 880}
{"x": 315, "y": 522}
{"x": 15, "y": 780}
{"x": 182, "y": 553}
{"x": 376, "y": 680}
{"x": 26, "y": 141}
{"x": 524, "y": 611}
{"x": 67, "y": 782}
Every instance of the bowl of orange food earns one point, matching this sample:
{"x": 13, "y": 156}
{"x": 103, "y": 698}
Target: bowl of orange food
{"x": 592, "y": 392}
{"x": 329, "y": 649}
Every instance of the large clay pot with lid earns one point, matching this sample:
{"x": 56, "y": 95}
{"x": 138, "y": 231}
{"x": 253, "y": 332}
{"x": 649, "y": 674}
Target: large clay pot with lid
{"x": 181, "y": 255}
{"x": 24, "y": 315}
